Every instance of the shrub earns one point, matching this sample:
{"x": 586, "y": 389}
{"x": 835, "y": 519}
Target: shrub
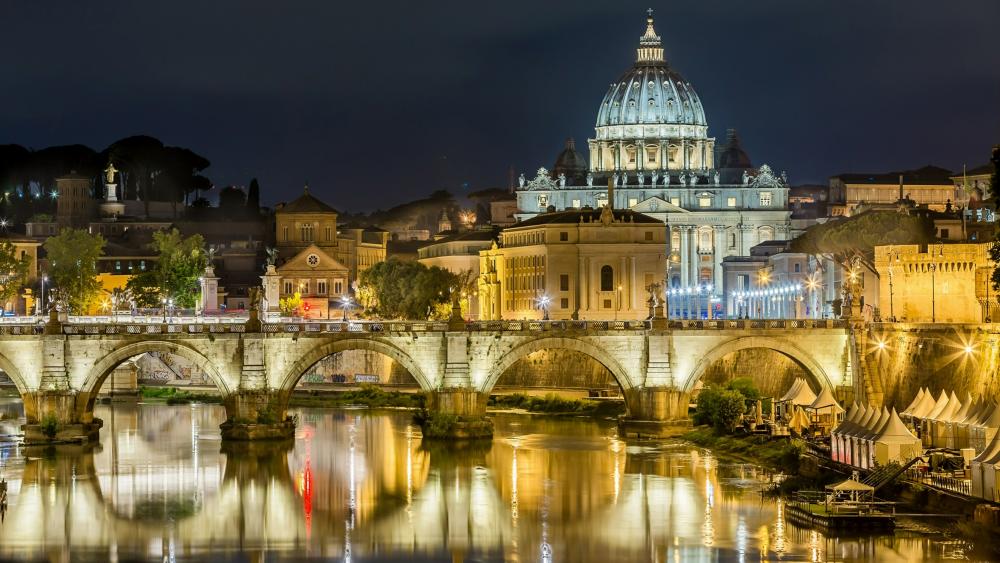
{"x": 49, "y": 425}
{"x": 722, "y": 408}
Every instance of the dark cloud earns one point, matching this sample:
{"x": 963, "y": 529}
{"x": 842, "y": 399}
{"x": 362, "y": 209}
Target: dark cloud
{"x": 375, "y": 103}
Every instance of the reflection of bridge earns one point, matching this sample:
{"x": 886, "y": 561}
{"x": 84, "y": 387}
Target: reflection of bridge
{"x": 59, "y": 370}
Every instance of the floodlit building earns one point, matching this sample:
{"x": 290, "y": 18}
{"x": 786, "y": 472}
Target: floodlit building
{"x": 587, "y": 264}
{"x": 930, "y": 187}
{"x": 459, "y": 254}
{"x": 939, "y": 282}
{"x": 316, "y": 259}
{"x": 652, "y": 143}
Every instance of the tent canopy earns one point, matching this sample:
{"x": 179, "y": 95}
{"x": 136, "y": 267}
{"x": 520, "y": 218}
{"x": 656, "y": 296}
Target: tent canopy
{"x": 850, "y": 485}
{"x": 826, "y": 403}
{"x": 895, "y": 432}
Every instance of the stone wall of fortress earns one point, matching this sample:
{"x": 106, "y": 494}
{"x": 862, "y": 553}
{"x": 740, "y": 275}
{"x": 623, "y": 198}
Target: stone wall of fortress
{"x": 960, "y": 358}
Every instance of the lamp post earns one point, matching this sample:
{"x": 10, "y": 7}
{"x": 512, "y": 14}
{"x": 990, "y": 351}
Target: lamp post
{"x": 543, "y": 302}
{"x": 345, "y": 304}
{"x": 893, "y": 257}
{"x": 41, "y": 302}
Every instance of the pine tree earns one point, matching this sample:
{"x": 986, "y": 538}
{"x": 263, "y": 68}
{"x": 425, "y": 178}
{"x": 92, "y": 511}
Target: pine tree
{"x": 253, "y": 198}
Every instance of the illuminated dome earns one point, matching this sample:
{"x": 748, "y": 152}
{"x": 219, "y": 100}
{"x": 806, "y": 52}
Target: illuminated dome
{"x": 651, "y": 119}
{"x": 650, "y": 93}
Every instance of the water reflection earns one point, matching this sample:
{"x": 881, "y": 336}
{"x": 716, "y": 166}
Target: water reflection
{"x": 357, "y": 486}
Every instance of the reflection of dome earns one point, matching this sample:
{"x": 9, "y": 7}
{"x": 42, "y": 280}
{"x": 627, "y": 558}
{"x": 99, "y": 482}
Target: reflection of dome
{"x": 651, "y": 92}
{"x": 570, "y": 162}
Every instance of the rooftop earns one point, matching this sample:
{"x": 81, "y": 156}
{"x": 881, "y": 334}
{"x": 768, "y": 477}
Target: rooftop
{"x": 306, "y": 203}
{"x": 928, "y": 176}
{"x": 577, "y": 216}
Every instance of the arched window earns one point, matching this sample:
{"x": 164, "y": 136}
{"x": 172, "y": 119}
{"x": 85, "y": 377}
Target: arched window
{"x": 765, "y": 234}
{"x": 607, "y": 278}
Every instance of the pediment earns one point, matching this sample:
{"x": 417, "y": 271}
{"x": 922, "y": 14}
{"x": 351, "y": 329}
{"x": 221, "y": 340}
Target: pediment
{"x": 657, "y": 205}
{"x": 312, "y": 258}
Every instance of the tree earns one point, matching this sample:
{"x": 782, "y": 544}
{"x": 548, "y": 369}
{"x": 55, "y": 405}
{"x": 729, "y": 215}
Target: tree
{"x": 995, "y": 196}
{"x": 73, "y": 255}
{"x": 290, "y": 305}
{"x": 253, "y": 198}
{"x": 395, "y": 289}
{"x": 13, "y": 272}
{"x": 180, "y": 262}
{"x": 858, "y": 236}
{"x": 722, "y": 408}
{"x": 232, "y": 202}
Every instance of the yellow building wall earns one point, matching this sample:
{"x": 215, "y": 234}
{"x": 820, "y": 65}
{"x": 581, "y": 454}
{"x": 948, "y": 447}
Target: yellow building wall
{"x": 109, "y": 283}
{"x": 945, "y": 283}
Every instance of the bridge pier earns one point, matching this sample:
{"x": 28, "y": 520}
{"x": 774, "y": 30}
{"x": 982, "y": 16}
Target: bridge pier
{"x": 655, "y": 412}
{"x": 59, "y": 416}
{"x": 457, "y": 413}
{"x": 257, "y": 415}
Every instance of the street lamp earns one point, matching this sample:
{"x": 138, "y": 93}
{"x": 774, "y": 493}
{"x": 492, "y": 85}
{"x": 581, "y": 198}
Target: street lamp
{"x": 345, "y": 304}
{"x": 41, "y": 302}
{"x": 893, "y": 257}
{"x": 543, "y": 302}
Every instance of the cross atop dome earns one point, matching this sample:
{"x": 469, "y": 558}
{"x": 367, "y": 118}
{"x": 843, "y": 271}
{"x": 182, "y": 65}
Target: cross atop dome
{"x": 650, "y": 49}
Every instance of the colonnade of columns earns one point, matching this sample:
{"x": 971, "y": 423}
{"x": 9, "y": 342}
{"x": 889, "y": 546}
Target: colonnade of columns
{"x": 692, "y": 154}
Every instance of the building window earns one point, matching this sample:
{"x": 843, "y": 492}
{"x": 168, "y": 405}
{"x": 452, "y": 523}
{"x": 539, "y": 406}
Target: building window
{"x": 563, "y": 236}
{"x": 307, "y": 232}
{"x": 564, "y": 302}
{"x": 321, "y": 287}
{"x": 288, "y": 287}
{"x": 284, "y": 233}
{"x": 607, "y": 278}
{"x": 798, "y": 267}
{"x": 675, "y": 201}
{"x": 338, "y": 287}
{"x": 732, "y": 240}
{"x": 576, "y": 203}
{"x": 607, "y": 303}
{"x": 944, "y": 233}
{"x": 328, "y": 233}
{"x": 704, "y": 202}
{"x": 675, "y": 241}
{"x": 563, "y": 282}
{"x": 765, "y": 199}
{"x": 543, "y": 200}
{"x": 765, "y": 234}
{"x": 731, "y": 201}
{"x": 648, "y": 235}
{"x": 602, "y": 201}
{"x": 632, "y": 202}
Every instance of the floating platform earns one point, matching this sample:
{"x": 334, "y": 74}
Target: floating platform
{"x": 815, "y": 516}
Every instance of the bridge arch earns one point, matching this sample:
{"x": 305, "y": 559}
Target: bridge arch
{"x": 575, "y": 344}
{"x": 804, "y": 359}
{"x": 103, "y": 368}
{"x": 310, "y": 358}
{"x": 14, "y": 374}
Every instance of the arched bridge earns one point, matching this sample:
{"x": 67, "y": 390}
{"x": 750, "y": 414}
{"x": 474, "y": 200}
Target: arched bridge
{"x": 59, "y": 368}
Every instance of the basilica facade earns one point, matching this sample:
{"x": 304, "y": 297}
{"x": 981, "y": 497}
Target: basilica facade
{"x": 652, "y": 145}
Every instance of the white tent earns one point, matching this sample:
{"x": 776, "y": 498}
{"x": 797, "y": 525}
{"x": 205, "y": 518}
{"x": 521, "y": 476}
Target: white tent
{"x": 985, "y": 429}
{"x": 958, "y": 431}
{"x": 924, "y": 407}
{"x": 984, "y": 469}
{"x": 926, "y": 430}
{"x": 939, "y": 424}
{"x": 908, "y": 411}
{"x": 837, "y": 450}
{"x": 867, "y": 439}
{"x": 895, "y": 442}
{"x": 825, "y": 409}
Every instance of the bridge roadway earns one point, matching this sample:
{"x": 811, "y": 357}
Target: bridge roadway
{"x": 59, "y": 367}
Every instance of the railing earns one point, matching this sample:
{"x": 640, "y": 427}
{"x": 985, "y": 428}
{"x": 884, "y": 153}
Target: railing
{"x": 306, "y": 326}
{"x": 938, "y": 481}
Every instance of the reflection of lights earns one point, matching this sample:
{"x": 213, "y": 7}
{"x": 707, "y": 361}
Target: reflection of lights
{"x": 513, "y": 488}
{"x": 779, "y": 527}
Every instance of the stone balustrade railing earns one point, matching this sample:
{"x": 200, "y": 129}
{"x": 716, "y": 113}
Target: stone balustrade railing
{"x": 326, "y": 327}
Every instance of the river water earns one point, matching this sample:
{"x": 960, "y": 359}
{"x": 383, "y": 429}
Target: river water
{"x": 361, "y": 486}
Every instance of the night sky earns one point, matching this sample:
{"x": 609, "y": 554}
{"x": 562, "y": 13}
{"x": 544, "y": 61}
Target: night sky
{"x": 375, "y": 103}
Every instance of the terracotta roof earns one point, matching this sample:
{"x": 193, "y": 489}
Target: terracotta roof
{"x": 306, "y": 203}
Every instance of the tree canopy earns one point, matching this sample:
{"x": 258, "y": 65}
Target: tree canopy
{"x": 72, "y": 256}
{"x": 860, "y": 234}
{"x": 13, "y": 272}
{"x": 995, "y": 196}
{"x": 397, "y": 289}
{"x": 180, "y": 262}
